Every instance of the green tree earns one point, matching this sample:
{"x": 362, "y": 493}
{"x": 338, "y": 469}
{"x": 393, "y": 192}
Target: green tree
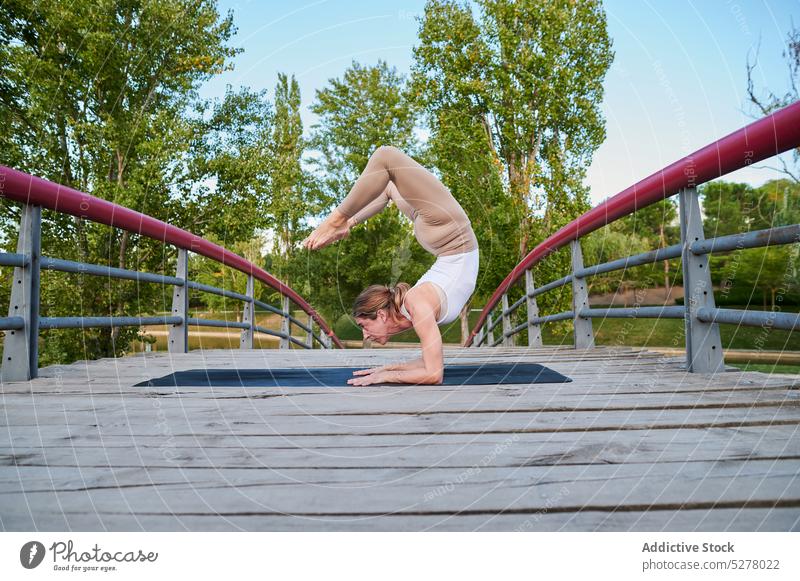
{"x": 459, "y": 151}
{"x": 366, "y": 108}
{"x": 765, "y": 101}
{"x": 289, "y": 184}
{"x": 730, "y": 208}
{"x": 529, "y": 75}
{"x": 102, "y": 96}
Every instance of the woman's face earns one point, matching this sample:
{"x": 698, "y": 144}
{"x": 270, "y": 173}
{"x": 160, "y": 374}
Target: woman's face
{"x": 376, "y": 329}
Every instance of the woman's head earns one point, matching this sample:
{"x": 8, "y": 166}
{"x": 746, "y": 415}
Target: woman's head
{"x": 377, "y": 310}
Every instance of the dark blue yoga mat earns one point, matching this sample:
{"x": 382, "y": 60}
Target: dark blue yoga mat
{"x": 487, "y": 374}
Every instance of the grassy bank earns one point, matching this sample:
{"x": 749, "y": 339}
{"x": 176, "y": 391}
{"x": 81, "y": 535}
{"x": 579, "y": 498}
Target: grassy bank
{"x": 639, "y": 332}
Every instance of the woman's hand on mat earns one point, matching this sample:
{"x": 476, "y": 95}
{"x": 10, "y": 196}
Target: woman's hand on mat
{"x": 335, "y": 227}
{"x": 377, "y": 377}
{"x": 372, "y": 370}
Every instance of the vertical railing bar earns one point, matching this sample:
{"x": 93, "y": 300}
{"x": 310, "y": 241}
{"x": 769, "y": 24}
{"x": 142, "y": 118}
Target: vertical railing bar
{"x": 534, "y": 329}
{"x": 248, "y": 315}
{"x": 703, "y": 342}
{"x": 35, "y": 301}
{"x": 508, "y": 338}
{"x": 20, "y": 347}
{"x": 285, "y": 323}
{"x": 582, "y": 327}
{"x": 179, "y": 333}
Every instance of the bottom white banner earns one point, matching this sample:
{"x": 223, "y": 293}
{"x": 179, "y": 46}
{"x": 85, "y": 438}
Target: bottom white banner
{"x": 404, "y": 556}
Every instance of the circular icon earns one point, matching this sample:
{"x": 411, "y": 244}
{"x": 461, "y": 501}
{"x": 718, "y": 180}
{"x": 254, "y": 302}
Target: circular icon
{"x": 31, "y": 554}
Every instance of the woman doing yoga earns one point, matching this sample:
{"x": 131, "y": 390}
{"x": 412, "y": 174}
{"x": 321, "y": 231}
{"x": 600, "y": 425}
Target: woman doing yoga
{"x": 442, "y": 227}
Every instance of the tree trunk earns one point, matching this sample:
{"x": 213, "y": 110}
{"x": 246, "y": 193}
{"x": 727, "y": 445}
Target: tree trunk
{"x": 464, "y": 316}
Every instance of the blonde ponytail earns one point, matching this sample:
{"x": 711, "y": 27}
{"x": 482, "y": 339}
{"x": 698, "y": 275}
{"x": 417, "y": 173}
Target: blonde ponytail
{"x": 377, "y": 296}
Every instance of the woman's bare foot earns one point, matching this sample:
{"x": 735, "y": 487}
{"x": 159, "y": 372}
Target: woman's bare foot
{"x": 335, "y": 227}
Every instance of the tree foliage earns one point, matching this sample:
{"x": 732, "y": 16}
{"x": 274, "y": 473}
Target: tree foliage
{"x": 520, "y": 82}
{"x": 365, "y": 108}
{"x": 102, "y": 96}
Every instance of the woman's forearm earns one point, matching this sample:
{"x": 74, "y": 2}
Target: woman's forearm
{"x": 418, "y": 375}
{"x": 406, "y": 365}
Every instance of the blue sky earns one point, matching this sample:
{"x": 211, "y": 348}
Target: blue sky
{"x": 678, "y": 81}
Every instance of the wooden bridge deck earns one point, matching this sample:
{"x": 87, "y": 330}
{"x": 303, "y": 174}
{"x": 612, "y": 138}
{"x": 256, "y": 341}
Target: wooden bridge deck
{"x": 633, "y": 443}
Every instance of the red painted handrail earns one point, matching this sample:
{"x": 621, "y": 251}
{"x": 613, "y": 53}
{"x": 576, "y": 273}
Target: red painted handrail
{"x": 764, "y": 138}
{"x": 28, "y": 189}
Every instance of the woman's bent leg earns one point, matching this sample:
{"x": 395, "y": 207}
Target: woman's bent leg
{"x": 415, "y": 184}
{"x": 369, "y": 185}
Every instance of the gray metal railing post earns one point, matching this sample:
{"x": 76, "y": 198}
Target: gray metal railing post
{"x": 248, "y": 315}
{"x": 582, "y": 327}
{"x": 179, "y": 333}
{"x": 326, "y": 340}
{"x": 703, "y": 343}
{"x": 310, "y": 333}
{"x": 534, "y": 329}
{"x": 21, "y": 347}
{"x": 285, "y": 323}
{"x": 489, "y": 330}
{"x": 478, "y": 337}
{"x": 508, "y": 338}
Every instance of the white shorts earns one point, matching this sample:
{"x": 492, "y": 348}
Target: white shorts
{"x": 456, "y": 275}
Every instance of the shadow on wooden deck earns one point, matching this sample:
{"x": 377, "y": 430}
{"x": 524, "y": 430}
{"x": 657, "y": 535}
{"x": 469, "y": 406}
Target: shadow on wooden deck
{"x": 632, "y": 444}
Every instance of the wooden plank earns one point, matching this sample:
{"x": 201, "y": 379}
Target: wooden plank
{"x": 629, "y": 446}
{"x": 309, "y": 492}
{"x": 257, "y": 421}
{"x": 44, "y": 409}
{"x": 720, "y": 520}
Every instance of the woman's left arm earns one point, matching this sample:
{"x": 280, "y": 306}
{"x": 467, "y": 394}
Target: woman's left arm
{"x": 423, "y": 318}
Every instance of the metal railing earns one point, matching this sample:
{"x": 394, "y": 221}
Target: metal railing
{"x": 20, "y": 346}
{"x": 769, "y": 136}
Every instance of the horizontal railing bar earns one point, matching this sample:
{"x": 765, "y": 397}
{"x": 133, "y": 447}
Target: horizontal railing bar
{"x": 217, "y": 323}
{"x": 518, "y": 328}
{"x": 299, "y": 323}
{"x": 291, "y": 317}
{"x": 773, "y": 319}
{"x": 650, "y": 257}
{"x": 515, "y": 305}
{"x": 281, "y": 335}
{"x": 635, "y": 312}
{"x": 61, "y": 265}
{"x": 757, "y": 238}
{"x": 535, "y": 321}
{"x": 219, "y": 291}
{"x": 496, "y": 322}
{"x": 269, "y": 308}
{"x": 88, "y": 322}
{"x": 551, "y": 285}
{"x": 11, "y": 323}
{"x": 543, "y": 289}
{"x": 566, "y": 315}
{"x": 13, "y": 259}
{"x": 269, "y": 332}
